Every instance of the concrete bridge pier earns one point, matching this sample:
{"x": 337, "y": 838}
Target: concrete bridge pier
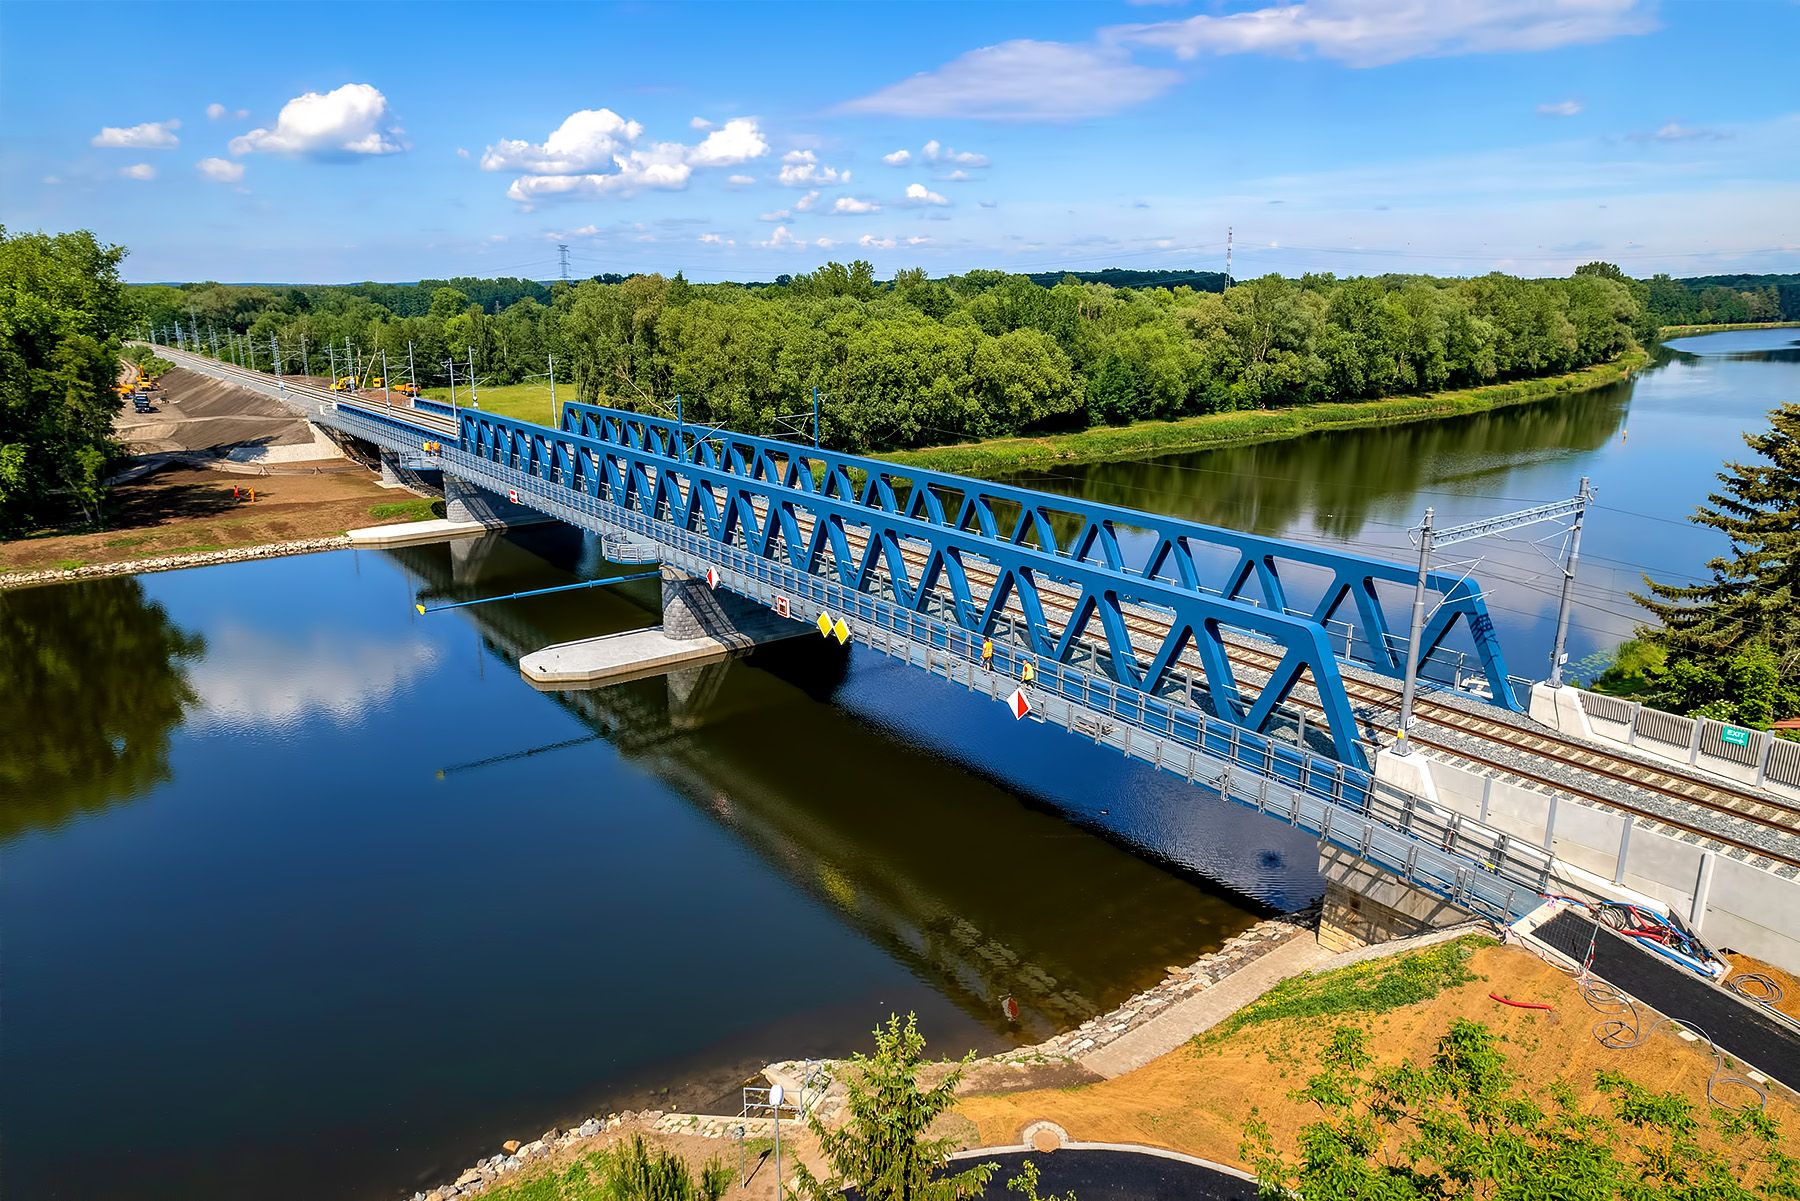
{"x": 693, "y": 610}
{"x": 390, "y": 470}
{"x": 1364, "y": 904}
{"x": 466, "y": 502}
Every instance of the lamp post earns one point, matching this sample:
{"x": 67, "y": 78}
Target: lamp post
{"x": 776, "y": 1096}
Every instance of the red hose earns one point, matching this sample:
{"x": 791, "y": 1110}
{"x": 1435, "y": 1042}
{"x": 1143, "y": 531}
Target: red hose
{"x": 1494, "y": 996}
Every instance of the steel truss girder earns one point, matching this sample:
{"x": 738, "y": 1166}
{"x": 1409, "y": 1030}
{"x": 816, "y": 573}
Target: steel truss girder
{"x": 760, "y": 504}
{"x": 963, "y": 504}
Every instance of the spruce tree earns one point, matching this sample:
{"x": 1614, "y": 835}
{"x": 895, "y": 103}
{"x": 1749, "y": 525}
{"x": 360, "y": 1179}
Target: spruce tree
{"x": 881, "y": 1149}
{"x": 1745, "y": 620}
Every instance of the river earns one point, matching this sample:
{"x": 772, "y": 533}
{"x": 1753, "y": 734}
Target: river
{"x": 302, "y": 893}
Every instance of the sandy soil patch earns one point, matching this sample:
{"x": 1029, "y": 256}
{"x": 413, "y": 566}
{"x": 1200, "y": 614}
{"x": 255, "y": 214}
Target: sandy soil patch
{"x": 184, "y": 509}
{"x": 1196, "y": 1100}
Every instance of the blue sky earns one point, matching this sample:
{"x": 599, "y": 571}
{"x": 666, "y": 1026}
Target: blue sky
{"x": 321, "y": 142}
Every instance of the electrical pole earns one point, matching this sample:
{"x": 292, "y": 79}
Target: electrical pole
{"x": 1411, "y": 683}
{"x": 350, "y": 364}
{"x": 305, "y": 362}
{"x": 215, "y": 342}
{"x": 815, "y": 416}
{"x": 562, "y": 251}
{"x": 331, "y": 353}
{"x": 387, "y": 397}
{"x": 275, "y": 353}
{"x": 1228, "y": 256}
{"x": 553, "y": 421}
{"x": 474, "y": 400}
{"x": 412, "y": 377}
{"x": 1582, "y": 496}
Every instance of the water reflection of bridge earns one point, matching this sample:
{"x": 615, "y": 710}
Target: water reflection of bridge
{"x": 942, "y": 885}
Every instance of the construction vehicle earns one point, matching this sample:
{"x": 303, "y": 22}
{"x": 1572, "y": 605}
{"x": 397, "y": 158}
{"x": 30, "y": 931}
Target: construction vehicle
{"x": 345, "y": 384}
{"x": 407, "y": 389}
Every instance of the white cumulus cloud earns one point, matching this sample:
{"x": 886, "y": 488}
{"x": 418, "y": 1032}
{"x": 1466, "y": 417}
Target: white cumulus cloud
{"x": 151, "y": 135}
{"x": 855, "y": 204}
{"x": 805, "y": 203}
{"x": 347, "y": 122}
{"x": 1372, "y": 33}
{"x": 802, "y": 169}
{"x": 1560, "y": 108}
{"x": 699, "y": 123}
{"x": 716, "y": 240}
{"x": 918, "y": 193}
{"x": 782, "y": 239}
{"x": 871, "y": 242}
{"x": 586, "y": 139}
{"x": 138, "y": 171}
{"x": 740, "y": 181}
{"x": 215, "y": 110}
{"x": 596, "y": 153}
{"x": 220, "y": 170}
{"x": 777, "y": 215}
{"x": 1024, "y": 80}
{"x": 897, "y": 159}
{"x": 737, "y": 141}
{"x": 937, "y": 152}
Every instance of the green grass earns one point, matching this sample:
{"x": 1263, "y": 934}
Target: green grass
{"x": 1688, "y": 331}
{"x": 527, "y": 402}
{"x": 420, "y": 508}
{"x": 1373, "y": 987}
{"x": 1005, "y": 456}
{"x": 639, "y": 1170}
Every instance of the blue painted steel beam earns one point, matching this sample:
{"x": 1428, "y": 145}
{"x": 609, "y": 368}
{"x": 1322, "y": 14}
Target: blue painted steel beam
{"x": 763, "y": 500}
{"x": 1029, "y": 518}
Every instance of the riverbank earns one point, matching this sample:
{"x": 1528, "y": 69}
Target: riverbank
{"x": 187, "y": 516}
{"x": 1690, "y": 331}
{"x": 997, "y": 457}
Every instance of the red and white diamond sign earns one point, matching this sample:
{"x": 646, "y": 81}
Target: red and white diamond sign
{"x": 1018, "y": 704}
{"x": 512, "y": 494}
{"x": 712, "y": 578}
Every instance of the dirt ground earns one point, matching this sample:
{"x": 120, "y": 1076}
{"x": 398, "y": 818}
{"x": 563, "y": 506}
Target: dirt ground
{"x": 1197, "y": 1100}
{"x": 187, "y": 509}
{"x": 196, "y": 412}
{"x": 1786, "y": 981}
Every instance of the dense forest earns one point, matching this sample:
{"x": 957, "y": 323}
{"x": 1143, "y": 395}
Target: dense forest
{"x": 916, "y": 360}
{"x": 1724, "y": 299}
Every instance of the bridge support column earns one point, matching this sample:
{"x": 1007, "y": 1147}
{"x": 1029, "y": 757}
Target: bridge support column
{"x": 1364, "y": 904}
{"x": 466, "y": 502}
{"x": 692, "y": 610}
{"x": 390, "y": 474}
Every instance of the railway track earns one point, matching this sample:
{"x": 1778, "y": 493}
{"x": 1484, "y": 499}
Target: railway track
{"x": 1376, "y": 700}
{"x": 1742, "y": 805}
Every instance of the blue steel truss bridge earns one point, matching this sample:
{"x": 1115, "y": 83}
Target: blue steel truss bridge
{"x": 1216, "y": 654}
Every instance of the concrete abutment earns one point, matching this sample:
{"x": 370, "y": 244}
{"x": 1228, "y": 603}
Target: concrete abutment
{"x": 1364, "y": 904}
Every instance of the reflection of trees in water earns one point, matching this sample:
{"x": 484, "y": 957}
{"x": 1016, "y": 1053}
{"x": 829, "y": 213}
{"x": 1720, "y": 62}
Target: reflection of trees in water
{"x": 91, "y": 684}
{"x": 1345, "y": 478}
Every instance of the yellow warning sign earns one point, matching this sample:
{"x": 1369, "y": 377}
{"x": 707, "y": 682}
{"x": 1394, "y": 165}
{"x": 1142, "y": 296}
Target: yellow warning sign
{"x": 842, "y": 631}
{"x": 824, "y": 624}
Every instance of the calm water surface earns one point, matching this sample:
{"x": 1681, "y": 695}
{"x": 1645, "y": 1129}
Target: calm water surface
{"x": 303, "y": 894}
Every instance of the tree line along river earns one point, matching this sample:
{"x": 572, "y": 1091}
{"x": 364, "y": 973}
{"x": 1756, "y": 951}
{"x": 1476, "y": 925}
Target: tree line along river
{"x": 303, "y": 893}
